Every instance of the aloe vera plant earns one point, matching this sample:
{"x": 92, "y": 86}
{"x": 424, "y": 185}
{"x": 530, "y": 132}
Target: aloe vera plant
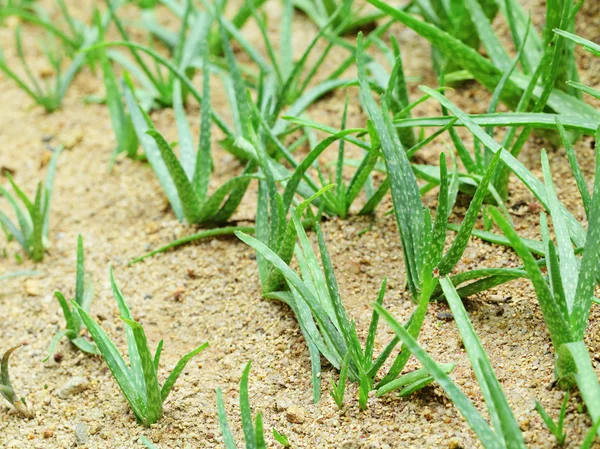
{"x": 565, "y": 296}
{"x": 423, "y": 239}
{"x": 557, "y": 429}
{"x": 33, "y": 217}
{"x": 315, "y": 299}
{"x": 185, "y": 180}
{"x": 138, "y": 381}
{"x": 7, "y": 390}
{"x": 84, "y": 293}
{"x": 49, "y": 88}
{"x": 489, "y": 71}
{"x": 254, "y": 435}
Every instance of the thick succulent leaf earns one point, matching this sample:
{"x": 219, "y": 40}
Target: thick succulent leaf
{"x": 8, "y": 392}
{"x": 557, "y": 324}
{"x": 413, "y": 327}
{"x": 152, "y": 397}
{"x": 48, "y": 186}
{"x": 567, "y": 262}
{"x": 187, "y": 154}
{"x": 203, "y": 164}
{"x": 215, "y": 204}
{"x": 370, "y": 342}
{"x": 535, "y": 246}
{"x": 540, "y": 120}
{"x": 152, "y": 152}
{"x": 590, "y": 46}
{"x": 588, "y": 271}
{"x": 504, "y": 421}
{"x": 488, "y": 37}
{"x": 410, "y": 378}
{"x": 577, "y": 174}
{"x": 574, "y": 360}
{"x": 85, "y": 346}
{"x": 314, "y": 340}
{"x": 80, "y": 272}
{"x": 403, "y": 183}
{"x": 246, "y": 412}
{"x": 319, "y": 313}
{"x": 225, "y": 429}
{"x": 459, "y": 244}
{"x": 187, "y": 196}
{"x": 115, "y": 363}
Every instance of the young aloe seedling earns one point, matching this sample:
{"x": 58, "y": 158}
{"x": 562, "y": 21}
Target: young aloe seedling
{"x": 84, "y": 293}
{"x": 315, "y": 299}
{"x": 557, "y": 429}
{"x": 254, "y": 435}
{"x": 49, "y": 89}
{"x": 138, "y": 381}
{"x": 31, "y": 229}
{"x": 185, "y": 179}
{"x": 565, "y": 296}
{"x": 7, "y": 390}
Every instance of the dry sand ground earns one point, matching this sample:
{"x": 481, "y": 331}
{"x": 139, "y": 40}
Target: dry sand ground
{"x": 210, "y": 291}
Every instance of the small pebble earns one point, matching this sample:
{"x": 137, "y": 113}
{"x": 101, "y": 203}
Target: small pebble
{"x": 81, "y": 434}
{"x": 32, "y": 287}
{"x": 445, "y": 316}
{"x": 295, "y": 415}
{"x": 73, "y": 386}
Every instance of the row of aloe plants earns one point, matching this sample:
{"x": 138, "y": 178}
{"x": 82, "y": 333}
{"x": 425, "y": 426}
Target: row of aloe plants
{"x": 257, "y": 137}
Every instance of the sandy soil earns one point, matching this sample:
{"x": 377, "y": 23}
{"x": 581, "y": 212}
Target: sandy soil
{"x": 209, "y": 291}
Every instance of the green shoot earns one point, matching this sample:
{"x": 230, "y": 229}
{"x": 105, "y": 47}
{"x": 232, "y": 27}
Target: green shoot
{"x": 281, "y": 438}
{"x": 84, "y": 293}
{"x": 138, "y": 382}
{"x": 253, "y": 428}
{"x": 31, "y": 229}
{"x": 147, "y": 443}
{"x": 557, "y": 429}
{"x": 338, "y": 390}
{"x": 489, "y": 72}
{"x": 423, "y": 241}
{"x": 7, "y": 390}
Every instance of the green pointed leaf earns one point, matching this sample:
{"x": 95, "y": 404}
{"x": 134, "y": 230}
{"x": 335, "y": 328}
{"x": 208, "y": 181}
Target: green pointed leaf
{"x": 460, "y": 400}
{"x": 170, "y": 382}
{"x": 187, "y": 196}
